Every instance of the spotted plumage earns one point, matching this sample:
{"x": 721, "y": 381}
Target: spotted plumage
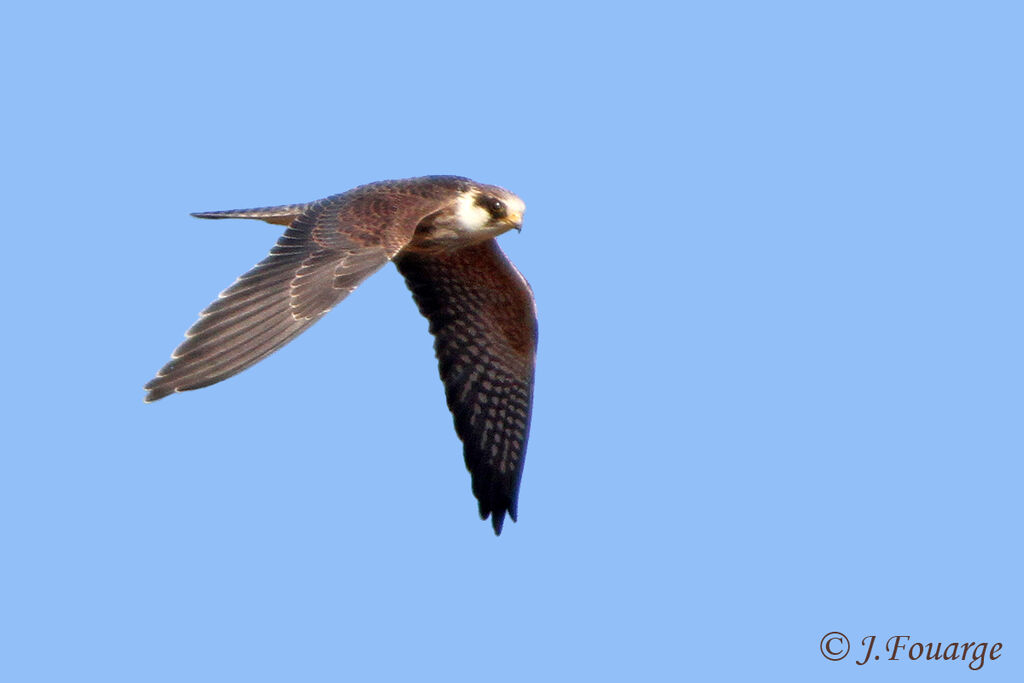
{"x": 439, "y": 231}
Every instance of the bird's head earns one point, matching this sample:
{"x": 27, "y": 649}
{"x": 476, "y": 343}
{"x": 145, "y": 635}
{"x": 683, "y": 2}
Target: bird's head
{"x": 487, "y": 211}
{"x": 475, "y": 214}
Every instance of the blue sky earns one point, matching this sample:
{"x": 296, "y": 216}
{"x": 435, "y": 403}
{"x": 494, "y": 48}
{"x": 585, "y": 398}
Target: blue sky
{"x": 776, "y": 250}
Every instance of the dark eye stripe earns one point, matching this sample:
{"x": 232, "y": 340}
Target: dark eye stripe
{"x": 494, "y": 206}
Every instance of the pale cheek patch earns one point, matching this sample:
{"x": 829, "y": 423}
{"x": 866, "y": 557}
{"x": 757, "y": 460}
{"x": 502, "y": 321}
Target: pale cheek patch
{"x": 470, "y": 216}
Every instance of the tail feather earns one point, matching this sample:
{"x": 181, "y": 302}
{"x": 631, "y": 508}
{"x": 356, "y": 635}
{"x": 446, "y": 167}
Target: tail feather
{"x": 280, "y": 215}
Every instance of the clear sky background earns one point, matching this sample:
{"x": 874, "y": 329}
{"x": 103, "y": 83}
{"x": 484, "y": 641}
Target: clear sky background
{"x": 776, "y": 250}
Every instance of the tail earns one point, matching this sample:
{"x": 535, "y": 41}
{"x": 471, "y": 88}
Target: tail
{"x": 281, "y": 215}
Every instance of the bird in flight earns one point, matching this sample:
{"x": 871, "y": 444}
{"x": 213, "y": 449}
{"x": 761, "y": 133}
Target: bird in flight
{"x": 439, "y": 231}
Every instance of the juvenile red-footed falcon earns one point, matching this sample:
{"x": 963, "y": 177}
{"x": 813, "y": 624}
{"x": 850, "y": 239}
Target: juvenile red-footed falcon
{"x": 439, "y": 231}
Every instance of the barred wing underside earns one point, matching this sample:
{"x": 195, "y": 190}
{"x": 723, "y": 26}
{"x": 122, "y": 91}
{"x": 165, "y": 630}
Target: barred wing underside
{"x": 482, "y": 315}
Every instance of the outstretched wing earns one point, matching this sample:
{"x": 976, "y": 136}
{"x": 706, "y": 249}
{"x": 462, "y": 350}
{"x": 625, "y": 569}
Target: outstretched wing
{"x": 482, "y": 315}
{"x": 328, "y": 250}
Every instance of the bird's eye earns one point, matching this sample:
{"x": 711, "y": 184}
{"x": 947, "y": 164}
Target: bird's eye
{"x": 494, "y": 206}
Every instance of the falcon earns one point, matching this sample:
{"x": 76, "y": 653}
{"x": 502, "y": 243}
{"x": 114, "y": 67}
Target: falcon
{"x": 439, "y": 231}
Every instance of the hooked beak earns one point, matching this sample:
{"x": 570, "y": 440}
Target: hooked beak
{"x": 516, "y": 219}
